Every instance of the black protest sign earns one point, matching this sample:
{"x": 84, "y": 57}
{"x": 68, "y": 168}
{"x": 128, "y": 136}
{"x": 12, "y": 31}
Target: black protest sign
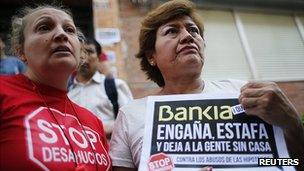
{"x": 198, "y": 133}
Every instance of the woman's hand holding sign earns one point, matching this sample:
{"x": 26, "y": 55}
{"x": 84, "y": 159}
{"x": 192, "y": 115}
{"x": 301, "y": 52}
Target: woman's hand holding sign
{"x": 267, "y": 101}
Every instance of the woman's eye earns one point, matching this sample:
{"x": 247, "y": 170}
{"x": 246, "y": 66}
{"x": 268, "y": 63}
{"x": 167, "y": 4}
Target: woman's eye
{"x": 43, "y": 28}
{"x": 70, "y": 30}
{"x": 171, "y": 31}
{"x": 194, "y": 30}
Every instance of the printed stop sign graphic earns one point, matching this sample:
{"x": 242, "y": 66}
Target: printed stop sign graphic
{"x": 53, "y": 145}
{"x": 160, "y": 162}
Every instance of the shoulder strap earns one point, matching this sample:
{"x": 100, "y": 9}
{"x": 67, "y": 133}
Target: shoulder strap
{"x": 71, "y": 84}
{"x": 111, "y": 92}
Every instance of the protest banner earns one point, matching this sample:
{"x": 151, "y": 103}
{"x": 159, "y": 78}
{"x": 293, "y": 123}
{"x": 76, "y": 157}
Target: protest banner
{"x": 189, "y": 132}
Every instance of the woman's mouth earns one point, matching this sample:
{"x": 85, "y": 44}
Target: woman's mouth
{"x": 61, "y": 51}
{"x": 188, "y": 50}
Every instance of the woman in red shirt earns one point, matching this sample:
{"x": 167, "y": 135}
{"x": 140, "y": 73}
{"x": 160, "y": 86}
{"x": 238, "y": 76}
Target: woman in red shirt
{"x": 40, "y": 128}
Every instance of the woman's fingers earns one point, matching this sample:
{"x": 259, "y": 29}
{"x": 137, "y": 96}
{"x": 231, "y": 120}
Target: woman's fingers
{"x": 267, "y": 101}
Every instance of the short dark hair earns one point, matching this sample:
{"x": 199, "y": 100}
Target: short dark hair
{"x": 167, "y": 12}
{"x": 95, "y": 43}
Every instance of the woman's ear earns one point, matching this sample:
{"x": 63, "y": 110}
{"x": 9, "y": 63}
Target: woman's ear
{"x": 23, "y": 58}
{"x": 22, "y": 55}
{"x": 151, "y": 59}
{"x": 152, "y": 63}
{"x": 19, "y": 52}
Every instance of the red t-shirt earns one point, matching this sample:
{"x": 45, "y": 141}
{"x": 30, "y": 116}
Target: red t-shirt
{"x": 32, "y": 139}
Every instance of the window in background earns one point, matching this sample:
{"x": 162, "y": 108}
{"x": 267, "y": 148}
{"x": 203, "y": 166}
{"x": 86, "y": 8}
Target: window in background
{"x": 225, "y": 57}
{"x": 276, "y": 46}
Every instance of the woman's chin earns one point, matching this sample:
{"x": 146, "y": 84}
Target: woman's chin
{"x": 65, "y": 65}
{"x": 192, "y": 61}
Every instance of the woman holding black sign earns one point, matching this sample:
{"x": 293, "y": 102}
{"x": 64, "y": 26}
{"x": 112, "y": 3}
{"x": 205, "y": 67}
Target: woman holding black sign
{"x": 172, "y": 55}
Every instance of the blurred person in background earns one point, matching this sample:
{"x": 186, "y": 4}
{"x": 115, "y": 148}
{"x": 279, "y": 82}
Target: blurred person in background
{"x": 40, "y": 128}
{"x": 101, "y": 94}
{"x": 9, "y": 65}
{"x": 171, "y": 53}
{"x": 104, "y": 65}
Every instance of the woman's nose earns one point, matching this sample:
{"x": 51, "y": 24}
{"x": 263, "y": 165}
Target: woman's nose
{"x": 60, "y": 34}
{"x": 186, "y": 37}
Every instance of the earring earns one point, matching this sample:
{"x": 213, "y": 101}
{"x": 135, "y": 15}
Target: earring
{"x": 152, "y": 63}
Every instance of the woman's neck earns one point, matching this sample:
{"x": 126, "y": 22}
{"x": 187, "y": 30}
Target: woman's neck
{"x": 183, "y": 87}
{"x": 54, "y": 80}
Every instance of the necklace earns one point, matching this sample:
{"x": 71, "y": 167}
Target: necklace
{"x": 78, "y": 166}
